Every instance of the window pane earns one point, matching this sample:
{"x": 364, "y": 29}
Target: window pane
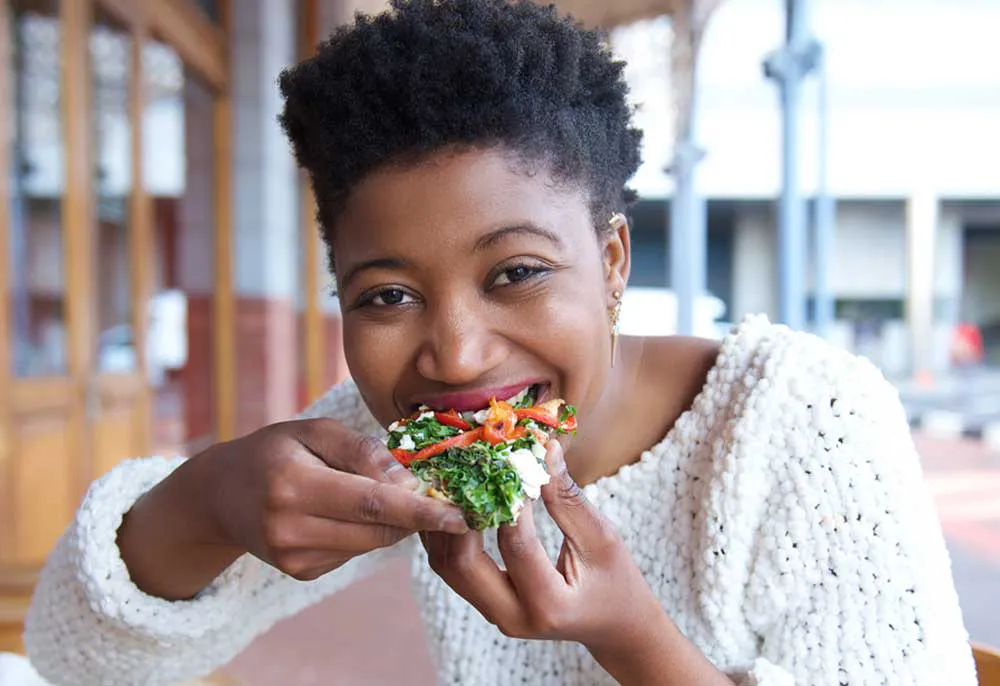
{"x": 178, "y": 174}
{"x": 110, "y": 64}
{"x": 37, "y": 181}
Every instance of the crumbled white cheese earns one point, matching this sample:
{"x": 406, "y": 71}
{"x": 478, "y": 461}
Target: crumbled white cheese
{"x": 481, "y": 416}
{"x": 538, "y": 450}
{"x": 406, "y": 442}
{"x": 532, "y": 473}
{"x": 425, "y": 415}
{"x": 396, "y": 427}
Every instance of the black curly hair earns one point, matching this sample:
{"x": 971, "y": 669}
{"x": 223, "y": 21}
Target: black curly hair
{"x": 431, "y": 74}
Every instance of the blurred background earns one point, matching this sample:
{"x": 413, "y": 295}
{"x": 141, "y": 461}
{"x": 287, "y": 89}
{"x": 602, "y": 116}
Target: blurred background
{"x": 834, "y": 164}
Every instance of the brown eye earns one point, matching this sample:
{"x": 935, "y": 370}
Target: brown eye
{"x": 516, "y": 274}
{"x": 389, "y": 297}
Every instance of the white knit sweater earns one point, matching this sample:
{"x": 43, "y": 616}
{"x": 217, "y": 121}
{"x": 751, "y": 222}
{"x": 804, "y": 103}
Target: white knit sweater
{"x": 782, "y": 523}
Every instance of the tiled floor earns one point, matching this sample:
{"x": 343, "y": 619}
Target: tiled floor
{"x": 370, "y": 634}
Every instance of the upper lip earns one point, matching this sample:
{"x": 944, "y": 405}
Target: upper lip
{"x": 472, "y": 399}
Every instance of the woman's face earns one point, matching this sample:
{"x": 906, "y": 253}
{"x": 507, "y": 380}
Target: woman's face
{"x": 472, "y": 275}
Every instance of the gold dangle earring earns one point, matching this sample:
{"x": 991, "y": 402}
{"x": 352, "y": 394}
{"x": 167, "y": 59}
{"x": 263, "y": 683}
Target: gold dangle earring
{"x": 616, "y": 312}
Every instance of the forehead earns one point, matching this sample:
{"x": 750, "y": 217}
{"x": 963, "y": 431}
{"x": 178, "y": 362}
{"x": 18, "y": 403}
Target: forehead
{"x": 451, "y": 198}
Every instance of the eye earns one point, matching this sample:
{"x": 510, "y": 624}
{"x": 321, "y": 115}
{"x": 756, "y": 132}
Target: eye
{"x": 516, "y": 274}
{"x": 387, "y": 297}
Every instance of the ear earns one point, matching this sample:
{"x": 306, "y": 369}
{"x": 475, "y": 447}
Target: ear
{"x": 617, "y": 252}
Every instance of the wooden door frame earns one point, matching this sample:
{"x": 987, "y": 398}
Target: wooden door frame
{"x": 314, "y": 316}
{"x": 6, "y": 451}
{"x": 203, "y": 47}
{"x": 224, "y": 301}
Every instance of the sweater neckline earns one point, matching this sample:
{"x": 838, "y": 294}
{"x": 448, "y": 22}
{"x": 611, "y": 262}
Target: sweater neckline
{"x": 680, "y": 431}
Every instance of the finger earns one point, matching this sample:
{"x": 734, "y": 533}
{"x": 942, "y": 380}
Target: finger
{"x": 528, "y": 565}
{"x": 352, "y": 498}
{"x": 354, "y": 452}
{"x": 325, "y": 535}
{"x": 584, "y": 527}
{"x": 462, "y": 563}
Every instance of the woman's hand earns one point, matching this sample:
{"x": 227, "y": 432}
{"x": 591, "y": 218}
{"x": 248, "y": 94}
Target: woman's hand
{"x": 594, "y": 594}
{"x": 304, "y": 496}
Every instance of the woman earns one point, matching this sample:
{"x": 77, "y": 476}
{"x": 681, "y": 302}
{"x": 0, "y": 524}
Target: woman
{"x": 750, "y": 513}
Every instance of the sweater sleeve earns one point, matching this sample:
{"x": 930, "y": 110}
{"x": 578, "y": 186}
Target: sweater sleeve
{"x": 852, "y": 582}
{"x": 89, "y": 624}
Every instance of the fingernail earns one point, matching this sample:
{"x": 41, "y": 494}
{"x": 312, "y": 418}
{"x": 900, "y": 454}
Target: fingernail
{"x": 557, "y": 460}
{"x": 455, "y": 524}
{"x": 401, "y": 476}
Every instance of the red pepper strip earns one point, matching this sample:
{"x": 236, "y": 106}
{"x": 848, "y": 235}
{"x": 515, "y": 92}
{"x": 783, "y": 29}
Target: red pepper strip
{"x": 459, "y": 441}
{"x": 539, "y": 416}
{"x": 492, "y": 435}
{"x": 518, "y": 432}
{"x": 452, "y": 419}
{"x": 403, "y": 457}
{"x": 500, "y": 422}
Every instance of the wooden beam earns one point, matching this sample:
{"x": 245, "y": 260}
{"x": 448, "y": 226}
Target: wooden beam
{"x": 315, "y": 319}
{"x": 127, "y": 12}
{"x": 140, "y": 241}
{"x": 224, "y": 357}
{"x": 6, "y": 335}
{"x": 200, "y": 43}
{"x": 78, "y": 228}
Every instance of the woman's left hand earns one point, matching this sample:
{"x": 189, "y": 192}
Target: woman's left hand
{"x": 594, "y": 594}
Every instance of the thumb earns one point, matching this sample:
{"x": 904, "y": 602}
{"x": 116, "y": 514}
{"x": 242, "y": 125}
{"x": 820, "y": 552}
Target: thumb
{"x": 567, "y": 504}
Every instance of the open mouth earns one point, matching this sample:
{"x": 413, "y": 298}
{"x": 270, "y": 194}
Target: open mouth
{"x": 527, "y": 397}
{"x": 476, "y": 401}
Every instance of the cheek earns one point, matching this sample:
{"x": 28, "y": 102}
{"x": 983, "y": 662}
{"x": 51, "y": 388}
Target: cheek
{"x": 570, "y": 329}
{"x": 376, "y": 357}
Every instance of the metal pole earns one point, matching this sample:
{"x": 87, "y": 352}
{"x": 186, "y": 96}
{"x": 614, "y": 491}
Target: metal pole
{"x": 825, "y": 214}
{"x": 687, "y": 236}
{"x": 788, "y": 66}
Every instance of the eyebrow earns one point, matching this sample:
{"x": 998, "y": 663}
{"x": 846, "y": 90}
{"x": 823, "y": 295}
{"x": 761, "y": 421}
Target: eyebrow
{"x": 487, "y": 240}
{"x": 377, "y": 263}
{"x": 482, "y": 243}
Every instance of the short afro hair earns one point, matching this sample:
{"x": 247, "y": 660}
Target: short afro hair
{"x": 430, "y": 74}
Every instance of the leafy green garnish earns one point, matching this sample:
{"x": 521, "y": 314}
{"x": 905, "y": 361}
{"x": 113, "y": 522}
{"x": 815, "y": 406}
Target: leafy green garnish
{"x": 567, "y": 412}
{"x": 524, "y": 442}
{"x": 424, "y": 432}
{"x": 478, "y": 480}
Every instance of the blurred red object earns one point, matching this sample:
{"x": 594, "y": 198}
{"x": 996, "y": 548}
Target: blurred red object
{"x": 967, "y": 345}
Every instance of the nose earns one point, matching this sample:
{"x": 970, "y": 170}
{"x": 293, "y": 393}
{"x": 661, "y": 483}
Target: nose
{"x": 461, "y": 344}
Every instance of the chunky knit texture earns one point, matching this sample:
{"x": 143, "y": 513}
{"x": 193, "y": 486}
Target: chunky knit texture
{"x": 782, "y": 522}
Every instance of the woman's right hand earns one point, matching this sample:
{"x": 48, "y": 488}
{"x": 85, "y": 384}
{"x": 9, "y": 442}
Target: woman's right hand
{"x": 304, "y": 496}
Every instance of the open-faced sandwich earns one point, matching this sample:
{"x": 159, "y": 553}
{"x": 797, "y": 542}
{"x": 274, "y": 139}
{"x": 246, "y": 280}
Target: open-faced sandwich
{"x": 488, "y": 462}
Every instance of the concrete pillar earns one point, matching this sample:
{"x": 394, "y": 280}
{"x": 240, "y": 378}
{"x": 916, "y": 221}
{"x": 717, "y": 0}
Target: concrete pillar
{"x": 266, "y": 216}
{"x": 921, "y": 240}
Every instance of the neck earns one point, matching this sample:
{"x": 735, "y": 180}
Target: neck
{"x": 597, "y": 450}
{"x": 654, "y": 381}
